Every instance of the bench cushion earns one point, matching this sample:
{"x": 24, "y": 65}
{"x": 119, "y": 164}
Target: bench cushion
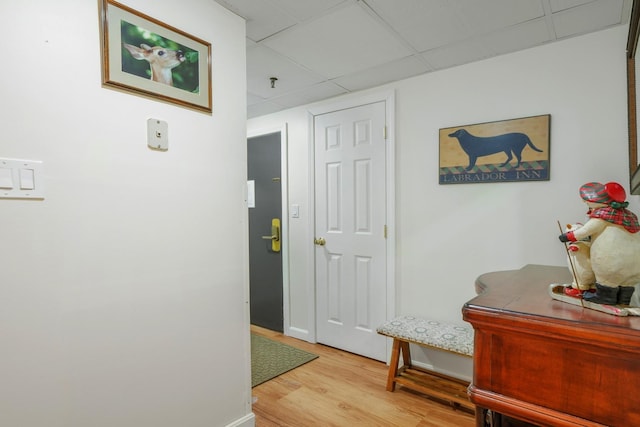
{"x": 432, "y": 333}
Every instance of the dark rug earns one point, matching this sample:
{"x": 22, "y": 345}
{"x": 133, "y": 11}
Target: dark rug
{"x": 270, "y": 358}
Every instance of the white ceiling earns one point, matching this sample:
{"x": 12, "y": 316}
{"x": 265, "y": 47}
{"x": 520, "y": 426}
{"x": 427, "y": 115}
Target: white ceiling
{"x": 318, "y": 49}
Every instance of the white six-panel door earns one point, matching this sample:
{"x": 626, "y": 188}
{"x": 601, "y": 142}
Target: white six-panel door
{"x": 350, "y": 202}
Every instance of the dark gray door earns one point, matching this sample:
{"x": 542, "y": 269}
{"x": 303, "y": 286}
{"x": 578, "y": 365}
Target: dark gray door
{"x": 265, "y": 259}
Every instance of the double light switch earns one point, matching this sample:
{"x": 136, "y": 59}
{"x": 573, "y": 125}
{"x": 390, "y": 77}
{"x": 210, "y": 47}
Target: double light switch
{"x": 21, "y": 179}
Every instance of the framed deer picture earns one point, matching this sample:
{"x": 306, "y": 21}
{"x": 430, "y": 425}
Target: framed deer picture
{"x": 150, "y": 58}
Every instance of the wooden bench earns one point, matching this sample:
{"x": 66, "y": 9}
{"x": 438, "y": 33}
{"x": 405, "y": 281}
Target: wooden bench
{"x": 433, "y": 334}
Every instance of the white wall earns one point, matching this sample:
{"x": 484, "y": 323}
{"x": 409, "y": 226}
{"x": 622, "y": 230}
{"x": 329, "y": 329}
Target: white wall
{"x": 447, "y": 235}
{"x": 122, "y": 293}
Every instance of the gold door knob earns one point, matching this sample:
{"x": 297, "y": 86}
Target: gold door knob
{"x": 320, "y": 241}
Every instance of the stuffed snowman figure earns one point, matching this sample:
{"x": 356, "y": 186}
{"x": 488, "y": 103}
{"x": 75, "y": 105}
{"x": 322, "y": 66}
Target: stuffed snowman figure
{"x": 615, "y": 243}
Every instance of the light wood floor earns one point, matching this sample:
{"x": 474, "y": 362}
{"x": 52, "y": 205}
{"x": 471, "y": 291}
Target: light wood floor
{"x": 343, "y": 389}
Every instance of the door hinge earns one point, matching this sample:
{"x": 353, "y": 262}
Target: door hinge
{"x": 385, "y": 231}
{"x": 384, "y": 132}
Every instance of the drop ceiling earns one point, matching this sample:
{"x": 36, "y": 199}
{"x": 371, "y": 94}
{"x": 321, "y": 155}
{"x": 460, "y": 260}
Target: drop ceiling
{"x": 318, "y": 49}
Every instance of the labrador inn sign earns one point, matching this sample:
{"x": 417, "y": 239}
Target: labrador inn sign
{"x": 504, "y": 151}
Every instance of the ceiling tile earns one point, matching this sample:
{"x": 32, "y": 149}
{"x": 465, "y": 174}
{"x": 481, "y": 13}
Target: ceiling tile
{"x": 263, "y": 17}
{"x": 558, "y": 5}
{"x": 583, "y": 19}
{"x": 485, "y": 16}
{"x": 263, "y": 108}
{"x": 263, "y": 63}
{"x": 342, "y": 42}
{"x": 518, "y": 37}
{"x": 254, "y": 99}
{"x": 389, "y": 72}
{"x": 306, "y": 9}
{"x": 312, "y": 94}
{"x": 458, "y": 54}
{"x": 424, "y": 24}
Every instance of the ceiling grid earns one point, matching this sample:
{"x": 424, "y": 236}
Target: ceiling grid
{"x": 319, "y": 49}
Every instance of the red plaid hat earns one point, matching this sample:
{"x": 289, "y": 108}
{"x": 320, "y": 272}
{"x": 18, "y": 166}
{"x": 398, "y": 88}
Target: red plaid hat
{"x": 596, "y": 192}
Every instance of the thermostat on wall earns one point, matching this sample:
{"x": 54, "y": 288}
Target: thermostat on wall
{"x": 157, "y": 134}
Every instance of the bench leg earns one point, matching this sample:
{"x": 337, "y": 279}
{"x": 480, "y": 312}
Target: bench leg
{"x": 393, "y": 365}
{"x": 406, "y": 353}
{"x": 399, "y": 346}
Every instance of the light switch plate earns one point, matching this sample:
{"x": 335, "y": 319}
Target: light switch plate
{"x": 157, "y": 134}
{"x": 21, "y": 179}
{"x": 251, "y": 193}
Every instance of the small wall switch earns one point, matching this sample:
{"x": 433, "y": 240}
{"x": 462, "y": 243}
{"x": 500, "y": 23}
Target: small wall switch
{"x": 157, "y": 134}
{"x": 6, "y": 178}
{"x": 27, "y": 179}
{"x": 295, "y": 211}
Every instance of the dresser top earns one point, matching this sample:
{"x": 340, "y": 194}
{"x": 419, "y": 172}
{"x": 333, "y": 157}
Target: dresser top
{"x": 524, "y": 294}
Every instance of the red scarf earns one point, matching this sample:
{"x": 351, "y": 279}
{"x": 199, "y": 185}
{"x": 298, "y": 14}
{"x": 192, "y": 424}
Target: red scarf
{"x": 621, "y": 216}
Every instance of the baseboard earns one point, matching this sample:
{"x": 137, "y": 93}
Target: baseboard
{"x": 248, "y": 420}
{"x": 301, "y": 334}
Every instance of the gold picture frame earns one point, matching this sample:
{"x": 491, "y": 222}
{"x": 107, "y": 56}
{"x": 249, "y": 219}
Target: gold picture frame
{"x": 501, "y": 151}
{"x": 145, "y": 56}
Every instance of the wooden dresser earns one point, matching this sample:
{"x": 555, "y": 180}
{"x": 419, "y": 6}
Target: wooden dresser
{"x": 546, "y": 362}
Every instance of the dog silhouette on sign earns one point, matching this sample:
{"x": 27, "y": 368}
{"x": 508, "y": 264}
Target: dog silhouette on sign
{"x": 510, "y": 144}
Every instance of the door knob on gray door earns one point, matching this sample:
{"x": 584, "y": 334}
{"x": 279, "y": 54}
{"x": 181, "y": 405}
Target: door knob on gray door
{"x": 275, "y": 235}
{"x": 320, "y": 241}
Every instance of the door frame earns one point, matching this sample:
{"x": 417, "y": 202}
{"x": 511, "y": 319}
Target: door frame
{"x": 388, "y": 97}
{"x": 284, "y": 221}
